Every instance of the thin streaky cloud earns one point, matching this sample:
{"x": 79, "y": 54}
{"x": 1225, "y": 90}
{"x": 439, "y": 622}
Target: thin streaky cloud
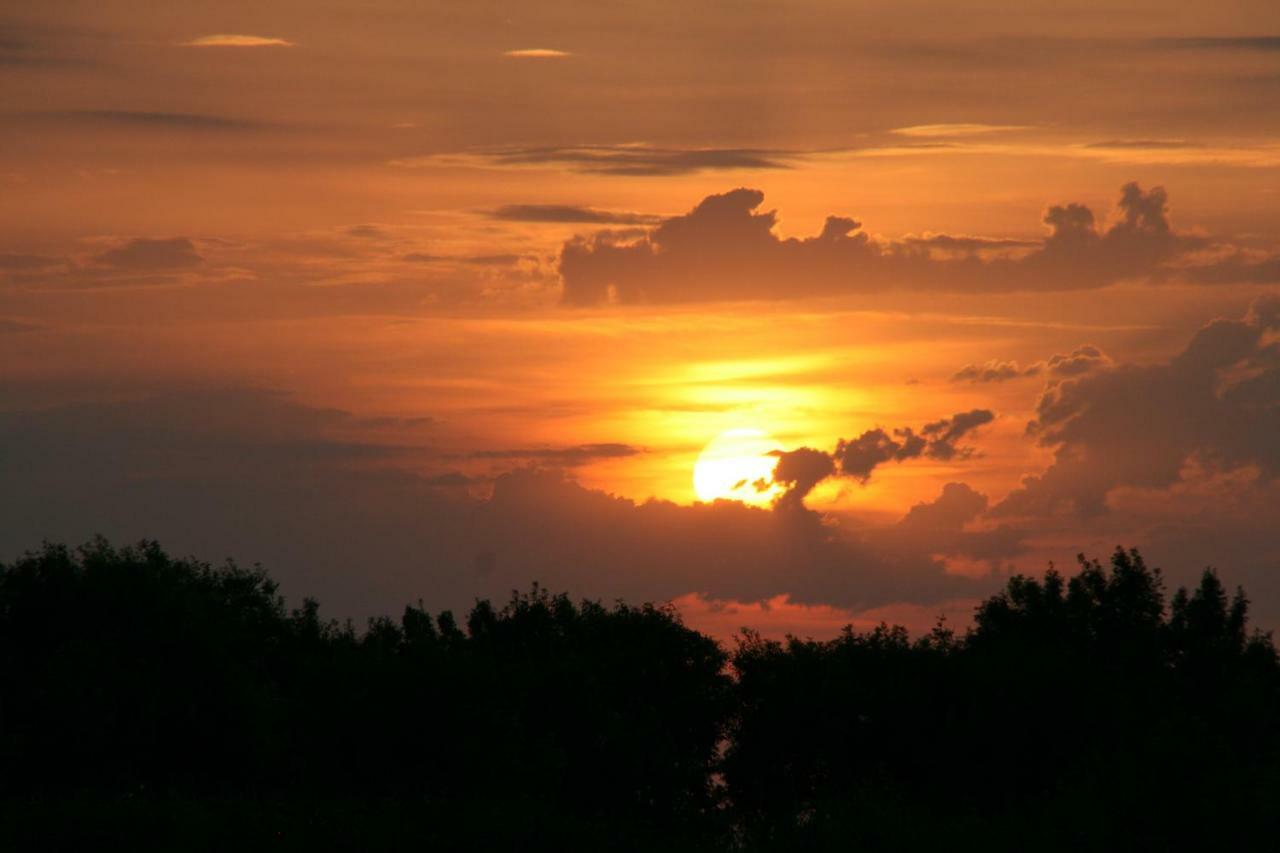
{"x": 537, "y": 53}
{"x": 236, "y": 40}
{"x": 962, "y": 129}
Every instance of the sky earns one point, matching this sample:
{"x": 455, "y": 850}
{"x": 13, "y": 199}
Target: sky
{"x": 428, "y": 301}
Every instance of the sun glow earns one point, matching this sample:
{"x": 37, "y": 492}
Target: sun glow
{"x": 737, "y": 465}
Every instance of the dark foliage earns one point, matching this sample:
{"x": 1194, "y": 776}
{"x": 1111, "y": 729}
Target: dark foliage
{"x": 175, "y": 704}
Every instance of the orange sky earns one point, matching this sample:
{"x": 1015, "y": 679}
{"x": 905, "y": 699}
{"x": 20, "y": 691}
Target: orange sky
{"x": 430, "y": 300}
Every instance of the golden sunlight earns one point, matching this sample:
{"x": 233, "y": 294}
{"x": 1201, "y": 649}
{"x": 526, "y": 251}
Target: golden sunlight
{"x": 737, "y": 465}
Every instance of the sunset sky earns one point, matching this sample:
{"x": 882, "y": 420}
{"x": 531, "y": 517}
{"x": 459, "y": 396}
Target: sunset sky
{"x": 432, "y": 300}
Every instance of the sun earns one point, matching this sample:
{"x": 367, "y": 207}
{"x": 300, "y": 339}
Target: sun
{"x": 737, "y": 465}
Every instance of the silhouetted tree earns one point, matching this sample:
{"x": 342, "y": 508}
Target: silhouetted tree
{"x": 176, "y": 704}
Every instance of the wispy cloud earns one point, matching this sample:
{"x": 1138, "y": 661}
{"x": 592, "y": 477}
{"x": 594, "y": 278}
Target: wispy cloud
{"x": 570, "y": 213}
{"x": 930, "y": 131}
{"x": 633, "y": 160}
{"x": 1262, "y": 43}
{"x": 143, "y": 119}
{"x": 236, "y": 40}
{"x": 537, "y": 53}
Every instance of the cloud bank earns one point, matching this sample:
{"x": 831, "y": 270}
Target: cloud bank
{"x": 726, "y": 249}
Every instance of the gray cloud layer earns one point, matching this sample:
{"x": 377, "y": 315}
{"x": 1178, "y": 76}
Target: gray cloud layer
{"x": 256, "y": 475}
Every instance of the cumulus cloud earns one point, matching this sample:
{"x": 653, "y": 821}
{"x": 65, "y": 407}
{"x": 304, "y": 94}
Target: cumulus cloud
{"x": 941, "y": 526}
{"x": 726, "y": 248}
{"x": 799, "y": 471}
{"x": 993, "y": 371}
{"x": 236, "y": 40}
{"x": 802, "y": 469}
{"x": 1216, "y": 403}
{"x": 1080, "y": 360}
{"x": 146, "y": 254}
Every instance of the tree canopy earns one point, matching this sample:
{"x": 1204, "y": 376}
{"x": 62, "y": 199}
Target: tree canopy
{"x": 143, "y": 696}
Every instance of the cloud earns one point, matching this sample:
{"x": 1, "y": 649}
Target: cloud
{"x": 966, "y": 243}
{"x": 946, "y": 527}
{"x": 537, "y": 53}
{"x": 10, "y": 327}
{"x": 1265, "y": 44}
{"x": 498, "y": 260}
{"x": 30, "y": 45}
{"x": 1080, "y": 360}
{"x": 144, "y": 120}
{"x": 932, "y": 131}
{"x": 1235, "y": 268}
{"x": 146, "y": 254}
{"x": 802, "y": 469}
{"x": 799, "y": 471}
{"x": 1122, "y": 144}
{"x": 1217, "y": 404}
{"x": 570, "y": 213}
{"x": 993, "y": 371}
{"x": 578, "y": 454}
{"x": 367, "y": 232}
{"x": 256, "y": 475}
{"x": 726, "y": 248}
{"x": 236, "y": 40}
{"x": 13, "y": 262}
{"x": 619, "y": 160}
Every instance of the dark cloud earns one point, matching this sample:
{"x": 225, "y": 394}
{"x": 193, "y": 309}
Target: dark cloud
{"x": 956, "y": 506}
{"x": 1216, "y": 403}
{"x": 939, "y": 526}
{"x": 569, "y": 213}
{"x": 10, "y": 327}
{"x": 255, "y": 475}
{"x": 449, "y": 479}
{"x": 993, "y": 371}
{"x": 942, "y": 435}
{"x": 497, "y": 260}
{"x": 725, "y": 248}
{"x": 366, "y": 232}
{"x": 144, "y": 120}
{"x": 858, "y": 457}
{"x": 578, "y": 454}
{"x": 636, "y": 160}
{"x": 799, "y": 471}
{"x": 11, "y": 262}
{"x": 1080, "y": 360}
{"x": 802, "y": 469}
{"x": 144, "y": 254}
{"x": 1253, "y": 43}
{"x": 1236, "y": 268}
{"x": 963, "y": 243}
{"x": 35, "y": 46}
{"x": 1148, "y": 144}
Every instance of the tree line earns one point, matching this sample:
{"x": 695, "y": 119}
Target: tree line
{"x": 171, "y": 702}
